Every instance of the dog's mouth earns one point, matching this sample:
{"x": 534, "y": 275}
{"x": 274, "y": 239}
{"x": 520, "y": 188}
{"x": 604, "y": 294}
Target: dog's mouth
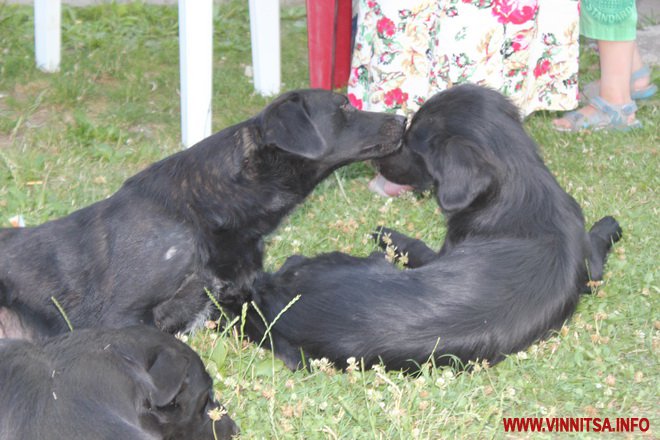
{"x": 390, "y": 136}
{"x": 404, "y": 167}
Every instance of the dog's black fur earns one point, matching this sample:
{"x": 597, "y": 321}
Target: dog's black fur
{"x": 132, "y": 383}
{"x": 192, "y": 221}
{"x": 511, "y": 269}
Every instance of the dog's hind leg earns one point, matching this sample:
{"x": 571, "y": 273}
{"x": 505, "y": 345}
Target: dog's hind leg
{"x": 292, "y": 356}
{"x": 418, "y": 253}
{"x": 602, "y": 235}
{"x": 258, "y": 332}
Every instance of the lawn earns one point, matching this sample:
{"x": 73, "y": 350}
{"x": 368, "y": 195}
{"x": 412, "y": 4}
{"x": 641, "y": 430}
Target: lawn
{"x": 71, "y": 138}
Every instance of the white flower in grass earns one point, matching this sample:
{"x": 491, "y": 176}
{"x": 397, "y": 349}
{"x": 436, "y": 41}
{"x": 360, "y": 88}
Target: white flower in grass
{"x": 374, "y": 395}
{"x": 352, "y": 365}
{"x": 324, "y": 365}
{"x": 397, "y": 413}
{"x": 216, "y": 413}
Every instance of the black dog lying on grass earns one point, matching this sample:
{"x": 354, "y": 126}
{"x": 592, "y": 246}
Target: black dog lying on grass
{"x": 132, "y": 383}
{"x": 514, "y": 261}
{"x": 190, "y": 222}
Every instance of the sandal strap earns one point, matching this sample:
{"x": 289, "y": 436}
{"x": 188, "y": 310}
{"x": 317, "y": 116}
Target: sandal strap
{"x": 605, "y": 116}
{"x": 579, "y": 121}
{"x": 618, "y": 114}
{"x": 642, "y": 72}
{"x": 575, "y": 118}
{"x": 592, "y": 89}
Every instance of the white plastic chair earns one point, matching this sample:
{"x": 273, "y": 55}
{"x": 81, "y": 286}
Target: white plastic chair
{"x": 195, "y": 51}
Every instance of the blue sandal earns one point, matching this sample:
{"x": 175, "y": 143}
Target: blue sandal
{"x": 592, "y": 89}
{"x": 607, "y": 117}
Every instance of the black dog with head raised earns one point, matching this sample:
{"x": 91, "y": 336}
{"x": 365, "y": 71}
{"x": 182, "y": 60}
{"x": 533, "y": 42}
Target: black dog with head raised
{"x": 132, "y": 383}
{"x": 515, "y": 258}
{"x": 190, "y": 222}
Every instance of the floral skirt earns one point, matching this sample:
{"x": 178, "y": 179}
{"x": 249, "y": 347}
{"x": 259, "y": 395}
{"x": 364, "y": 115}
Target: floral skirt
{"x": 406, "y": 51}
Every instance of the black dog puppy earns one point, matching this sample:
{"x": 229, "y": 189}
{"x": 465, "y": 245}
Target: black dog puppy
{"x": 511, "y": 268}
{"x": 133, "y": 383}
{"x": 190, "y": 222}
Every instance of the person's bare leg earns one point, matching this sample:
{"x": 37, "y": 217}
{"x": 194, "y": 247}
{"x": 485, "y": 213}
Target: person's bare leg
{"x": 616, "y": 61}
{"x": 639, "y": 83}
{"x": 637, "y": 64}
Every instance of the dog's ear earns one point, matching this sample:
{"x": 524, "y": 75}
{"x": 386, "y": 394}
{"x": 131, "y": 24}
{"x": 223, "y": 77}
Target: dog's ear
{"x": 289, "y": 127}
{"x": 168, "y": 373}
{"x": 461, "y": 172}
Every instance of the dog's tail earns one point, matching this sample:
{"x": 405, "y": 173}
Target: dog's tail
{"x": 602, "y": 235}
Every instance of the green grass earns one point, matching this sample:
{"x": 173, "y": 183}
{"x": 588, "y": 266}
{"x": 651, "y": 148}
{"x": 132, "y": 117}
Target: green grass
{"x": 70, "y": 138}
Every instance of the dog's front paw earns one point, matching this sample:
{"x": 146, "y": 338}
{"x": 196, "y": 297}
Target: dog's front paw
{"x": 608, "y": 229}
{"x": 169, "y": 321}
{"x": 233, "y": 294}
{"x": 383, "y": 237}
